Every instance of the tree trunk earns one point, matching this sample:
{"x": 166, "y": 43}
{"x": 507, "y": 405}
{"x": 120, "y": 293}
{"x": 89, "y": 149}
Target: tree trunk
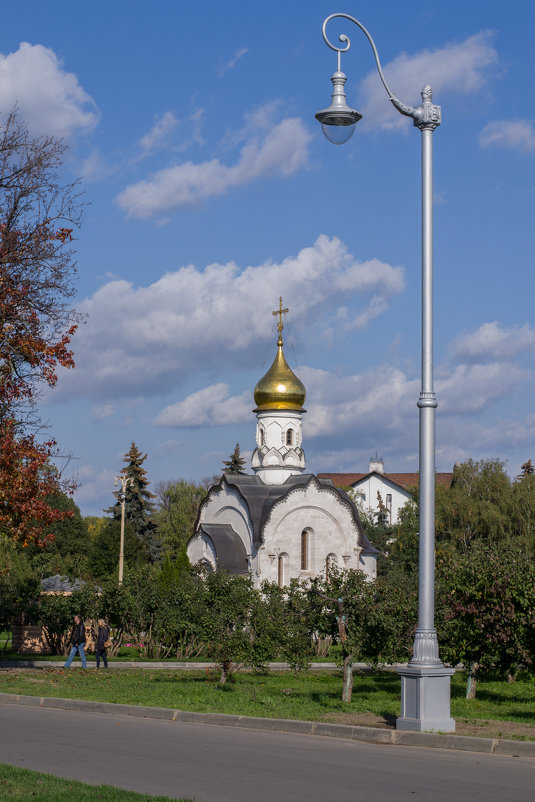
{"x": 347, "y": 688}
{"x": 225, "y": 671}
{"x": 471, "y": 681}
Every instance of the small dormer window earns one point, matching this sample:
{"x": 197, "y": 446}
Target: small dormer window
{"x": 290, "y": 437}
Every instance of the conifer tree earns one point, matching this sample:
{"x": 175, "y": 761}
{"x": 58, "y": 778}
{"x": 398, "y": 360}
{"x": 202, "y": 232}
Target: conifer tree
{"x": 527, "y": 470}
{"x": 235, "y": 463}
{"x": 139, "y": 508}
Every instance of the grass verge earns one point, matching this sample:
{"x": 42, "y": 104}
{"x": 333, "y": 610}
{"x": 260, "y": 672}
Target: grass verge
{"x": 23, "y": 784}
{"x": 305, "y": 696}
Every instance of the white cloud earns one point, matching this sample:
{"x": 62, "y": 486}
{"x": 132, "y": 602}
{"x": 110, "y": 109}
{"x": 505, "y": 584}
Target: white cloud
{"x": 211, "y": 406}
{"x": 94, "y": 484}
{"x": 94, "y": 167}
{"x": 168, "y": 132}
{"x": 239, "y": 54}
{"x": 459, "y": 67}
{"x": 491, "y": 342}
{"x": 473, "y": 388}
{"x": 102, "y": 411}
{"x": 509, "y": 135}
{"x": 50, "y": 100}
{"x": 146, "y": 340}
{"x": 280, "y": 151}
{"x": 160, "y": 131}
{"x": 374, "y": 406}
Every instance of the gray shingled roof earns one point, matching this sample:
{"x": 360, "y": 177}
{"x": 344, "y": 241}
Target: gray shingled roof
{"x": 260, "y": 499}
{"x": 229, "y": 548}
{"x": 61, "y": 584}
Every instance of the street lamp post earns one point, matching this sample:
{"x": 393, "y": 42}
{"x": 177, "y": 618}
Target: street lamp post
{"x": 124, "y": 481}
{"x": 425, "y": 681}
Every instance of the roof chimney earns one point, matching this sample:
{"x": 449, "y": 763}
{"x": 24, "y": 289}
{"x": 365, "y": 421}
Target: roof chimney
{"x": 377, "y": 464}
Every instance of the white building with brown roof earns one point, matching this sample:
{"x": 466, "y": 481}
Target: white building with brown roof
{"x": 376, "y": 488}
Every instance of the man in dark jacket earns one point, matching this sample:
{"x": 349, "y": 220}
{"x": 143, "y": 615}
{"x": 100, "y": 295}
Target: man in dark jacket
{"x": 78, "y": 642}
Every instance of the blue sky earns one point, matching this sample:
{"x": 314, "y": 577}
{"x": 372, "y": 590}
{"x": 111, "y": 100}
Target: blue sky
{"x": 212, "y": 192}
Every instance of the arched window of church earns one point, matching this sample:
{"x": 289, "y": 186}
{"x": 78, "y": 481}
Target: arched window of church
{"x": 261, "y": 436}
{"x": 290, "y": 437}
{"x": 281, "y": 570}
{"x": 304, "y": 550}
{"x": 330, "y": 563}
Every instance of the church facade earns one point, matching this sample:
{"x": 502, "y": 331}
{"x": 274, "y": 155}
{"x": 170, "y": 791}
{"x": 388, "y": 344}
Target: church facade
{"x": 280, "y": 523}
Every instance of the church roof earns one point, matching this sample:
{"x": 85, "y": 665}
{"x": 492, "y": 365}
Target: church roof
{"x": 404, "y": 480}
{"x": 279, "y": 388}
{"x": 60, "y": 584}
{"x": 231, "y": 554}
{"x": 260, "y": 499}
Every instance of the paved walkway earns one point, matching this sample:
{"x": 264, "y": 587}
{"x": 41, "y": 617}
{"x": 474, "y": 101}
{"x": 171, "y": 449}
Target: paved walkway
{"x": 174, "y": 666}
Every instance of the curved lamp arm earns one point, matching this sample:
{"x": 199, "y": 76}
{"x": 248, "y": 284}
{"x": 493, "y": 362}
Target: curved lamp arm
{"x": 427, "y": 115}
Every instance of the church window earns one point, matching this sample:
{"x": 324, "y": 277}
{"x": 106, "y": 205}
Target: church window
{"x": 281, "y": 569}
{"x": 389, "y": 506}
{"x": 290, "y": 437}
{"x": 304, "y": 550}
{"x": 330, "y": 562}
{"x": 262, "y": 437}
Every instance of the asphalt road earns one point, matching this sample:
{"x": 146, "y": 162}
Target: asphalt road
{"x": 223, "y": 764}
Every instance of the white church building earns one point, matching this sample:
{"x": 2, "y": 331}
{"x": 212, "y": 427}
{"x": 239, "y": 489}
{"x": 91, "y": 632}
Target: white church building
{"x": 280, "y": 523}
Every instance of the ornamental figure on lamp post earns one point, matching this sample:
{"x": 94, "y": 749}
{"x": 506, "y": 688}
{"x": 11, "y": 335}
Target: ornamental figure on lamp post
{"x": 124, "y": 481}
{"x": 425, "y": 681}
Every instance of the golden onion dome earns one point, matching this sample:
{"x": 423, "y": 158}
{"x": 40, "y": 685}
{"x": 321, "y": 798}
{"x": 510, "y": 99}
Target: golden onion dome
{"x": 279, "y": 388}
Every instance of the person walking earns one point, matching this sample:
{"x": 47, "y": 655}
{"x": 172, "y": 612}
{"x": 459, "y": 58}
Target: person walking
{"x": 103, "y": 638}
{"x": 78, "y": 642}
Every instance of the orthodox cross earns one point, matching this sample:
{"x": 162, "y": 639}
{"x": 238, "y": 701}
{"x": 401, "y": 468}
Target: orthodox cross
{"x": 280, "y": 312}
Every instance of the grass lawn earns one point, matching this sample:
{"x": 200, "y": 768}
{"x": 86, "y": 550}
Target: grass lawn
{"x": 24, "y": 784}
{"x": 306, "y": 696}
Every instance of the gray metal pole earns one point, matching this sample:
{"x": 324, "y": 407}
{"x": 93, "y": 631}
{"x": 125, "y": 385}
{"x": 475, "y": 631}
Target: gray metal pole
{"x": 425, "y": 681}
{"x": 427, "y": 404}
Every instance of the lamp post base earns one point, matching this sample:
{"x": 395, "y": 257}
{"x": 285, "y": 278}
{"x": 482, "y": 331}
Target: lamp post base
{"x": 425, "y": 699}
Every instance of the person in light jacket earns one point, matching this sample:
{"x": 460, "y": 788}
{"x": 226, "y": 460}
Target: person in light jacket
{"x": 77, "y": 642}
{"x": 102, "y": 637}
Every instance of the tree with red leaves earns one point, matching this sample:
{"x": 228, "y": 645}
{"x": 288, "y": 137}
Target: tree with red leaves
{"x": 37, "y": 217}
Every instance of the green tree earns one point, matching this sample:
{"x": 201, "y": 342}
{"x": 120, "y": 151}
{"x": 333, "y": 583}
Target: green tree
{"x": 67, "y": 546}
{"x": 103, "y": 558}
{"x": 179, "y": 504}
{"x": 19, "y": 584}
{"x": 139, "y": 508}
{"x": 487, "y": 616}
{"x": 281, "y": 625}
{"x": 399, "y": 542}
{"x": 521, "y": 512}
{"x": 227, "y": 607}
{"x": 235, "y": 463}
{"x": 94, "y": 524}
{"x": 476, "y": 504}
{"x": 344, "y": 594}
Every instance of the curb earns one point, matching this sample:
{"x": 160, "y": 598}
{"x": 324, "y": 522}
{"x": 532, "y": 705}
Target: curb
{"x": 433, "y": 740}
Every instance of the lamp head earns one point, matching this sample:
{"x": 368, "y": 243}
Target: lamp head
{"x": 338, "y": 121}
